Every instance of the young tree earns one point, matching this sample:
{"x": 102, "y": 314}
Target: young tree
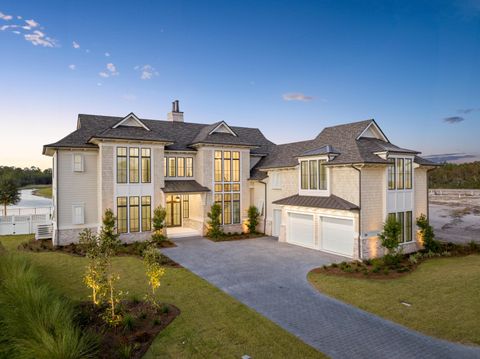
{"x": 108, "y": 237}
{"x": 158, "y": 222}
{"x": 390, "y": 235}
{"x": 214, "y": 223}
{"x": 9, "y": 194}
{"x": 253, "y": 215}
{"x": 96, "y": 274}
{"x": 154, "y": 271}
{"x": 428, "y": 236}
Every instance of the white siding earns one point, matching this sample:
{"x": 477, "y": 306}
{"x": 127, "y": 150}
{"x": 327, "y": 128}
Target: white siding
{"x": 76, "y": 187}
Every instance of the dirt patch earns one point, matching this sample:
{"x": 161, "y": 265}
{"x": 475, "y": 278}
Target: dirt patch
{"x": 126, "y": 249}
{"x": 455, "y": 215}
{"x": 236, "y": 237}
{"x": 132, "y": 337}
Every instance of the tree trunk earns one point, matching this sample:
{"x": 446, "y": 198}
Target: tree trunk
{"x": 5, "y": 209}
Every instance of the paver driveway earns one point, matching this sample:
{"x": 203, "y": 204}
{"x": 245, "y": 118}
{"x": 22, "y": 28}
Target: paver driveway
{"x": 270, "y": 277}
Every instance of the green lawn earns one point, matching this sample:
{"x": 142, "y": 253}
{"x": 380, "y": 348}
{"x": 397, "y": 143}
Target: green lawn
{"x": 43, "y": 191}
{"x": 211, "y": 324}
{"x": 444, "y": 294}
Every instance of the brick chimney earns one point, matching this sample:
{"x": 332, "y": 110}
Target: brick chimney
{"x": 176, "y": 115}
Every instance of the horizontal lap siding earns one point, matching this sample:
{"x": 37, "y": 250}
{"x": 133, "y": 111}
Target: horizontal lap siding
{"x": 76, "y": 188}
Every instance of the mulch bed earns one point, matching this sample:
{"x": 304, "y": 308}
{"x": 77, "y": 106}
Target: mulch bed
{"x": 361, "y": 274}
{"x": 236, "y": 237}
{"x": 126, "y": 249}
{"x": 377, "y": 269}
{"x": 131, "y": 338}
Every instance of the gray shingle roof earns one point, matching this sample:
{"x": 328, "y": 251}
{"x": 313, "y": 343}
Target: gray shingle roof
{"x": 181, "y": 134}
{"x": 183, "y": 186}
{"x": 324, "y": 150}
{"x": 330, "y": 202}
{"x": 341, "y": 138}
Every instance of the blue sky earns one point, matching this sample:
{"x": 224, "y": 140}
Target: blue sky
{"x": 287, "y": 67}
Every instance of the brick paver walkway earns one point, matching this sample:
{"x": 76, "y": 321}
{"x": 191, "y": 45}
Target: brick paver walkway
{"x": 270, "y": 277}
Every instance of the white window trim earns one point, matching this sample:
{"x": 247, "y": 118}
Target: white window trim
{"x": 75, "y": 220}
{"x": 313, "y": 192}
{"x": 82, "y": 162}
{"x": 276, "y": 180}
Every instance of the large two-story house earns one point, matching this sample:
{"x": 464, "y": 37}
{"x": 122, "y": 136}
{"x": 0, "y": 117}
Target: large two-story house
{"x": 331, "y": 193}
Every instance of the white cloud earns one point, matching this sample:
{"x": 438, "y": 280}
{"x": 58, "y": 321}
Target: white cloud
{"x": 103, "y": 74}
{"x": 111, "y": 67}
{"x": 26, "y": 27}
{"x": 32, "y": 23}
{"x": 19, "y": 18}
{"x": 16, "y": 32}
{"x": 5, "y": 17}
{"x": 38, "y": 38}
{"x": 107, "y": 54}
{"x": 129, "y": 97}
{"x": 147, "y": 72}
{"x": 72, "y": 67}
{"x": 75, "y": 45}
{"x": 296, "y": 96}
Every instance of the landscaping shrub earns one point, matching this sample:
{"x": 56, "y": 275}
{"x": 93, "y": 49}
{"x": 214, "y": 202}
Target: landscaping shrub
{"x": 390, "y": 235}
{"x": 154, "y": 272}
{"x": 158, "y": 221}
{"x": 428, "y": 236}
{"x": 253, "y": 215}
{"x": 214, "y": 223}
{"x": 36, "y": 322}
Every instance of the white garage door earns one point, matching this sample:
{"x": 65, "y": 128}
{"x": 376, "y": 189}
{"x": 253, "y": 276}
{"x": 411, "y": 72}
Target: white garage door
{"x": 300, "y": 229}
{"x": 337, "y": 235}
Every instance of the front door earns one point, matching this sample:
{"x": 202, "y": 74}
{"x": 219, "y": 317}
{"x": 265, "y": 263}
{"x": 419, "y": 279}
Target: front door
{"x": 174, "y": 211}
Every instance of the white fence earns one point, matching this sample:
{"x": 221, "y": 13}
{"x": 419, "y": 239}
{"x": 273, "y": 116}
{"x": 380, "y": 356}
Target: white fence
{"x": 22, "y": 224}
{"x": 24, "y": 211}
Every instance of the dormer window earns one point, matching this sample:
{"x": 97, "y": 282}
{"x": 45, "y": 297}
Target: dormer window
{"x": 313, "y": 175}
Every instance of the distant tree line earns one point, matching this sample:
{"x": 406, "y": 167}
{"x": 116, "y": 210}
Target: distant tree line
{"x": 450, "y": 175}
{"x": 26, "y": 176}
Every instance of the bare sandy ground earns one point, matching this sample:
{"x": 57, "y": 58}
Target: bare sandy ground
{"x": 455, "y": 215}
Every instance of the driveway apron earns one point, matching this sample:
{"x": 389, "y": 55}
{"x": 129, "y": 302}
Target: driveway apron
{"x": 270, "y": 277}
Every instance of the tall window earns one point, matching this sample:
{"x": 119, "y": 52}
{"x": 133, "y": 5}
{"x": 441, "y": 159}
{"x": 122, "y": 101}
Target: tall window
{"x": 391, "y": 175}
{"x": 408, "y": 173}
{"x": 165, "y": 174}
{"x": 408, "y": 226}
{"x": 121, "y": 165}
{"x": 186, "y": 206}
{"x": 400, "y": 173}
{"x": 181, "y": 167}
{"x": 313, "y": 170}
{"x": 146, "y": 165}
{"x": 134, "y": 165}
{"x": 218, "y": 166}
{"x": 304, "y": 174}
{"x": 401, "y": 220}
{"x": 189, "y": 167}
{"x": 146, "y": 213}
{"x": 227, "y": 184}
{"x": 323, "y": 175}
{"x": 122, "y": 226}
{"x": 172, "y": 164}
{"x": 236, "y": 166}
{"x": 227, "y": 166}
{"x": 134, "y": 214}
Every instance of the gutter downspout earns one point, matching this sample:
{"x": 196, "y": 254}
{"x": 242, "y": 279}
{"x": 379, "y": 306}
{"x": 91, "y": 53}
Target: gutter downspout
{"x": 265, "y": 208}
{"x": 359, "y": 211}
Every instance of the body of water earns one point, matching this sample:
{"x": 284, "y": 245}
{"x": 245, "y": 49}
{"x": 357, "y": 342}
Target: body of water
{"x": 29, "y": 200}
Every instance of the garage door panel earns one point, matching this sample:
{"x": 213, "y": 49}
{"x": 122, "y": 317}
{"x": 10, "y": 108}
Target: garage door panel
{"x": 301, "y": 229}
{"x": 337, "y": 235}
